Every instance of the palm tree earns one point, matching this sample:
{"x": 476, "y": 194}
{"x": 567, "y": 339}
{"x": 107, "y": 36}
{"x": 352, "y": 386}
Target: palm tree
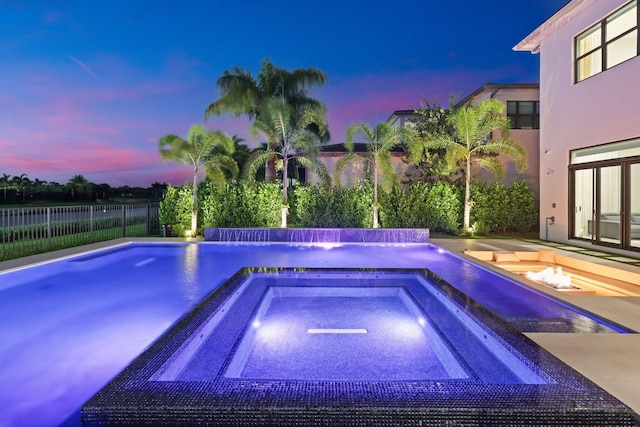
{"x": 77, "y": 185}
{"x": 243, "y": 95}
{"x": 472, "y": 141}
{"x": 22, "y": 182}
{"x": 5, "y": 183}
{"x": 293, "y": 140}
{"x": 196, "y": 151}
{"x": 379, "y": 140}
{"x": 159, "y": 189}
{"x": 225, "y": 171}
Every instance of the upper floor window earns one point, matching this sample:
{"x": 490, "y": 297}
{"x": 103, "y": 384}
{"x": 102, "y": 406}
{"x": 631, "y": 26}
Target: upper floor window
{"x": 607, "y": 43}
{"x": 524, "y": 114}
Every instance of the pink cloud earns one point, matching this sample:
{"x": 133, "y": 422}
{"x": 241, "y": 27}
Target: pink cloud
{"x": 56, "y": 126}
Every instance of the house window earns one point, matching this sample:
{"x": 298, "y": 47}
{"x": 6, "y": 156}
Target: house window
{"x": 524, "y": 114}
{"x": 607, "y": 43}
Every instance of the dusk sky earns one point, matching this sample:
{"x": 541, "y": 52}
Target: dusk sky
{"x": 89, "y": 87}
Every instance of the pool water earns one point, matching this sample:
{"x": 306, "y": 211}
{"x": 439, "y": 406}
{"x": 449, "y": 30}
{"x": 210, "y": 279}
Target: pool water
{"x": 285, "y": 347}
{"x": 296, "y": 326}
{"x": 69, "y": 326}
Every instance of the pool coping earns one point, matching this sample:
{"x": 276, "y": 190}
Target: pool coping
{"x": 132, "y": 399}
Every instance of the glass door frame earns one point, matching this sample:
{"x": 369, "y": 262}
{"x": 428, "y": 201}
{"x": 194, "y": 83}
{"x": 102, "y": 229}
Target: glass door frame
{"x": 625, "y": 202}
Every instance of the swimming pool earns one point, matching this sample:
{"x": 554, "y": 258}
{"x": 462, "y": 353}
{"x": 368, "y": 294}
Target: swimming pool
{"x": 347, "y": 347}
{"x": 70, "y": 326}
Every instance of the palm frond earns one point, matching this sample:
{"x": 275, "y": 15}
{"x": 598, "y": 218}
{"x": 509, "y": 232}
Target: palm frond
{"x": 172, "y": 147}
{"x": 240, "y": 94}
{"x": 389, "y": 173}
{"x": 256, "y": 160}
{"x": 216, "y": 176}
{"x": 223, "y": 163}
{"x": 342, "y": 163}
{"x": 492, "y": 164}
{"x": 454, "y": 154}
{"x": 318, "y": 167}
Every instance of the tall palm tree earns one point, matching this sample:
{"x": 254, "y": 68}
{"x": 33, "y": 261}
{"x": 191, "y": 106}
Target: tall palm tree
{"x": 293, "y": 140}
{"x": 472, "y": 141}
{"x": 379, "y": 141}
{"x": 243, "y": 95}
{"x": 198, "y": 152}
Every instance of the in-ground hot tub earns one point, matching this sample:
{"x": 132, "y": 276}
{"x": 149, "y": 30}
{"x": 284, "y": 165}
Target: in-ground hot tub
{"x": 347, "y": 347}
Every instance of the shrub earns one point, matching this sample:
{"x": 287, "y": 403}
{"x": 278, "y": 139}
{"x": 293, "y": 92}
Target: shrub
{"x": 423, "y": 205}
{"x": 175, "y": 209}
{"x": 501, "y": 209}
{"x": 436, "y": 205}
{"x": 332, "y": 207}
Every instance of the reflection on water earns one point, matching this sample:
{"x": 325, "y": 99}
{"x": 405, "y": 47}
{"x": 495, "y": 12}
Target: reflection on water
{"x": 190, "y": 283}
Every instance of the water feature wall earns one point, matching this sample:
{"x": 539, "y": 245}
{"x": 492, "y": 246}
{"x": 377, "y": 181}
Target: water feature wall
{"x": 311, "y": 235}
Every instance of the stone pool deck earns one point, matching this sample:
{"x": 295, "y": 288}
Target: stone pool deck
{"x": 609, "y": 360}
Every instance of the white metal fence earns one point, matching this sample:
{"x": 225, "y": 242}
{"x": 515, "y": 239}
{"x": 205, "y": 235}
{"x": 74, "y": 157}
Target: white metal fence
{"x": 30, "y": 230}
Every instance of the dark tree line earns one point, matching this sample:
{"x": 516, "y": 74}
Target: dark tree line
{"x": 22, "y": 189}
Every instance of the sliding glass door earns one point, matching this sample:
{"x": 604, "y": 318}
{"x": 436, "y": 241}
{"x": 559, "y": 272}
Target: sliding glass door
{"x": 606, "y": 204}
{"x": 634, "y": 205}
{"x": 584, "y": 204}
{"x": 609, "y": 204}
{"x": 605, "y": 194}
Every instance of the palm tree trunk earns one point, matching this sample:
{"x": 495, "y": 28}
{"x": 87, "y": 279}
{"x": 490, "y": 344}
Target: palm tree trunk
{"x": 194, "y": 205}
{"x": 285, "y": 196}
{"x": 467, "y": 197}
{"x": 375, "y": 194}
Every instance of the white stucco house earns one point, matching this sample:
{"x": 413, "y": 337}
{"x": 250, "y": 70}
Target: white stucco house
{"x": 590, "y": 123}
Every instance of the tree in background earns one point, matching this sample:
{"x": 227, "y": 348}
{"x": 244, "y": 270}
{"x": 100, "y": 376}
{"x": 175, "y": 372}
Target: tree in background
{"x": 22, "y": 183}
{"x": 430, "y": 121}
{"x": 198, "y": 151}
{"x": 471, "y": 141}
{"x": 293, "y": 140}
{"x": 5, "y": 183}
{"x": 77, "y": 185}
{"x": 377, "y": 160}
{"x": 243, "y": 95}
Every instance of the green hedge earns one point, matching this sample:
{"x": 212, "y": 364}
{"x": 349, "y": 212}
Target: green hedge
{"x": 437, "y": 206}
{"x": 332, "y": 207}
{"x": 423, "y": 205}
{"x": 497, "y": 208}
{"x": 240, "y": 205}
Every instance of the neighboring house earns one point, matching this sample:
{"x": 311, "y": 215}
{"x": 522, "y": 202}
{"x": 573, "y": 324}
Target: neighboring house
{"x": 590, "y": 124}
{"x": 522, "y": 105}
{"x": 330, "y": 153}
{"x": 522, "y": 101}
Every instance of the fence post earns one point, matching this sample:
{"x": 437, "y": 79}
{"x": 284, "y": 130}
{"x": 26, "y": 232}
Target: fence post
{"x": 91, "y": 219}
{"x": 124, "y": 220}
{"x": 49, "y": 226}
{"x": 148, "y": 218}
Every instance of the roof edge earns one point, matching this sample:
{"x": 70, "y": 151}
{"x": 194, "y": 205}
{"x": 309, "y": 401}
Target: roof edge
{"x": 495, "y": 87}
{"x": 572, "y": 9}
